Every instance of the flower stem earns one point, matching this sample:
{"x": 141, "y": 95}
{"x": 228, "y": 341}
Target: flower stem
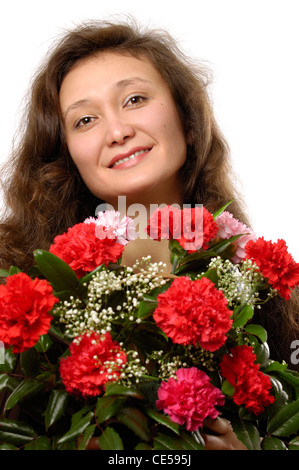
{"x": 150, "y": 377}
{"x": 174, "y": 264}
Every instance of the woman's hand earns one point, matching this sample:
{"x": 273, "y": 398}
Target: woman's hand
{"x": 222, "y": 436}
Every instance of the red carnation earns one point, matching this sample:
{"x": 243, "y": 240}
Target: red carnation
{"x": 165, "y": 223}
{"x": 194, "y": 227}
{"x": 192, "y": 312}
{"x": 24, "y": 311}
{"x": 94, "y": 360}
{"x": 199, "y": 228}
{"x": 83, "y": 251}
{"x": 190, "y": 399}
{"x": 276, "y": 264}
{"x": 252, "y": 387}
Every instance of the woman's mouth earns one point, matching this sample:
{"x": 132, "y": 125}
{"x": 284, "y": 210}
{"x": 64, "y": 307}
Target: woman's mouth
{"x": 128, "y": 160}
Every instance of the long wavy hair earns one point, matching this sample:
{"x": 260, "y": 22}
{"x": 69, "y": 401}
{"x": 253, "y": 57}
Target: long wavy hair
{"x": 44, "y": 192}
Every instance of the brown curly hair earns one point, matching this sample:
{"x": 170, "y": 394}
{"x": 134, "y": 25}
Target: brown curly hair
{"x": 44, "y": 192}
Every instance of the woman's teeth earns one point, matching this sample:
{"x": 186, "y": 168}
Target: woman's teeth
{"x": 129, "y": 158}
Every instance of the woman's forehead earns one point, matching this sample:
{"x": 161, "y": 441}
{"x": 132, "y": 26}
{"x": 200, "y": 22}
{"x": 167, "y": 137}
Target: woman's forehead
{"x": 106, "y": 70}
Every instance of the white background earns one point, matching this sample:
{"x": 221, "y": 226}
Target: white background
{"x": 252, "y": 47}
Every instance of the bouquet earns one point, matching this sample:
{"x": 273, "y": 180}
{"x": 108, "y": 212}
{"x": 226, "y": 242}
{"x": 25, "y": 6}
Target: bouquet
{"x": 135, "y": 358}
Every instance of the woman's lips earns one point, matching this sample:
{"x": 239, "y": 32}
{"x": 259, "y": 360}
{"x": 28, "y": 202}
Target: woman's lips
{"x": 129, "y": 159}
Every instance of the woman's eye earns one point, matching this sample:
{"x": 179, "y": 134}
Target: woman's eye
{"x": 84, "y": 121}
{"x": 135, "y": 100}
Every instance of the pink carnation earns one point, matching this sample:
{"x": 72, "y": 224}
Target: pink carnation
{"x": 229, "y": 227}
{"x": 108, "y": 225}
{"x": 189, "y": 399}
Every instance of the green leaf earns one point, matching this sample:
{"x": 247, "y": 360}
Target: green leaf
{"x": 227, "y": 388}
{"x": 275, "y": 366}
{"x": 212, "y": 275}
{"x": 118, "y": 389}
{"x": 44, "y": 343}
{"x": 190, "y": 443}
{"x": 10, "y": 383}
{"x": 164, "y": 420}
{"x": 14, "y": 270}
{"x": 58, "y": 335}
{"x": 242, "y": 315}
{"x": 273, "y": 443}
{"x": 15, "y": 432}
{"x": 294, "y": 443}
{"x": 289, "y": 376}
{"x": 135, "y": 420}
{"x": 58, "y": 273}
{"x": 87, "y": 278}
{"x": 280, "y": 395}
{"x": 88, "y": 433}
{"x": 4, "y": 378}
{"x": 141, "y": 446}
{"x": 257, "y": 330}
{"x": 8, "y": 447}
{"x": 286, "y": 421}
{"x": 262, "y": 353}
{"x": 65, "y": 295}
{"x": 221, "y": 246}
{"x": 56, "y": 407}
{"x": 9, "y": 361}
{"x": 40, "y": 443}
{"x": 176, "y": 249}
{"x": 110, "y": 440}
{"x": 4, "y": 273}
{"x": 247, "y": 433}
{"x": 108, "y": 406}
{"x": 165, "y": 442}
{"x": 28, "y": 388}
{"x": 80, "y": 421}
{"x": 222, "y": 209}
{"x": 182, "y": 442}
{"x": 30, "y": 362}
{"x": 146, "y": 307}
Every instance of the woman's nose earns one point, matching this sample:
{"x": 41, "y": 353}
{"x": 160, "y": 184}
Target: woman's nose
{"x": 118, "y": 131}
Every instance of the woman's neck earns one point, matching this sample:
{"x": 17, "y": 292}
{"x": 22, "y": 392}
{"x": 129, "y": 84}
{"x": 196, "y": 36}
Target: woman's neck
{"x": 158, "y": 250}
{"x": 141, "y": 213}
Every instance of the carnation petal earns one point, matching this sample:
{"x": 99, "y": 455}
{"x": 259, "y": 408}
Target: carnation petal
{"x": 203, "y": 318}
{"x": 189, "y": 399}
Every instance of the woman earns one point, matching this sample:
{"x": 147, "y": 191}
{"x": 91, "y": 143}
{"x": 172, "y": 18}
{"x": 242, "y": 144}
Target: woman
{"x": 116, "y": 111}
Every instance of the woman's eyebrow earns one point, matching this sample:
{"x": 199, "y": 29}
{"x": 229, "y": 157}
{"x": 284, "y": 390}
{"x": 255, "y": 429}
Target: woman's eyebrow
{"x": 130, "y": 81}
{"x": 76, "y": 105}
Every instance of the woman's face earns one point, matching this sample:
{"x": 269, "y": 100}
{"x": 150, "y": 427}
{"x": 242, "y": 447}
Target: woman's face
{"x": 123, "y": 129}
